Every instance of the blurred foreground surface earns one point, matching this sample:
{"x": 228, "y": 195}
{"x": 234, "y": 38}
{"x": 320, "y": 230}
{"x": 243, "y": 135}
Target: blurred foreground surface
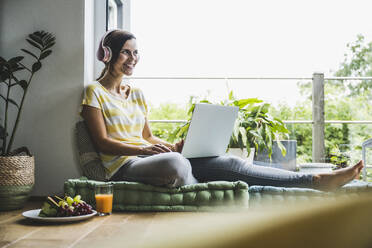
{"x": 337, "y": 222}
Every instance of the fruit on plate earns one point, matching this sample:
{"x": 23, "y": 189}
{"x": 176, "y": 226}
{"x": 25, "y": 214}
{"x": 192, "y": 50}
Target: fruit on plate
{"x": 65, "y": 207}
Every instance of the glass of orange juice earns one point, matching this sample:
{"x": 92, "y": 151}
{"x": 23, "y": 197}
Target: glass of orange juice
{"x": 104, "y": 197}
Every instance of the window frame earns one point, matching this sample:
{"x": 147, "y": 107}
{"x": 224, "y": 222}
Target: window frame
{"x": 123, "y": 14}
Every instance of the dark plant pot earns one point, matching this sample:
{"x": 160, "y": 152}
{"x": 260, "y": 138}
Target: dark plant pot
{"x": 16, "y": 181}
{"x": 288, "y": 162}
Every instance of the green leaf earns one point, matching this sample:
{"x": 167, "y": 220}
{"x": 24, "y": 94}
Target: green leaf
{"x": 39, "y": 33}
{"x": 243, "y": 102}
{"x": 236, "y": 130}
{"x": 265, "y": 108}
{"x": 13, "y": 102}
{"x": 36, "y": 38}
{"x": 36, "y": 66}
{"x": 23, "y": 84}
{"x": 15, "y": 60}
{"x": 4, "y": 75}
{"x": 45, "y": 54}
{"x": 191, "y": 110}
{"x": 45, "y": 36}
{"x": 49, "y": 39}
{"x": 267, "y": 134}
{"x": 3, "y": 132}
{"x": 248, "y": 149}
{"x": 183, "y": 131}
{"x": 33, "y": 43}
{"x": 231, "y": 95}
{"x": 254, "y": 133}
{"x": 18, "y": 68}
{"x": 49, "y": 45}
{"x": 30, "y": 53}
{"x": 282, "y": 148}
{"x": 243, "y": 133}
{"x": 240, "y": 141}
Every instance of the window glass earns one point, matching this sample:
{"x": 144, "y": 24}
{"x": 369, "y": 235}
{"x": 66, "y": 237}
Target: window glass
{"x": 269, "y": 38}
{"x": 112, "y": 18}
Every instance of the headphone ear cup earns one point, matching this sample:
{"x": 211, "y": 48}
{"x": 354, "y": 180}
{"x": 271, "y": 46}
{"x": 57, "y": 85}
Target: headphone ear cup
{"x": 100, "y": 53}
{"x": 109, "y": 54}
{"x": 106, "y": 54}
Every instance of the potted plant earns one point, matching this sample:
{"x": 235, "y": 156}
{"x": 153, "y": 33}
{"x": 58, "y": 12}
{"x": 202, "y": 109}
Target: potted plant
{"x": 254, "y": 127}
{"x": 17, "y": 166}
{"x": 338, "y": 158}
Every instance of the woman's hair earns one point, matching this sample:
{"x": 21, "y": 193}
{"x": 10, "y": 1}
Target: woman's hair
{"x": 115, "y": 41}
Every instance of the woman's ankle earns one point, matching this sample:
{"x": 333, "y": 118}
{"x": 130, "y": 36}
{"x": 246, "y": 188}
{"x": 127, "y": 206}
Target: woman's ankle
{"x": 317, "y": 181}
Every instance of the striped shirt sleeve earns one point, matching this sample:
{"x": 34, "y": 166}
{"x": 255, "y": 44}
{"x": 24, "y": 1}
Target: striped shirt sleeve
{"x": 90, "y": 97}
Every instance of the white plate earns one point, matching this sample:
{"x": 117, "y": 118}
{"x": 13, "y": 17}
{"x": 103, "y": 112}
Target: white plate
{"x": 34, "y": 215}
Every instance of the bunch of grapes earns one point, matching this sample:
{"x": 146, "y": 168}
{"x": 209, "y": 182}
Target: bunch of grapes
{"x": 82, "y": 208}
{"x": 73, "y": 207}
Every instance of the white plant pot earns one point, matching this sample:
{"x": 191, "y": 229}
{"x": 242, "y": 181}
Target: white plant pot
{"x": 242, "y": 154}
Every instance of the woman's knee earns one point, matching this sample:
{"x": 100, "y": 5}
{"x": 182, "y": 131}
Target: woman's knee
{"x": 176, "y": 166}
{"x": 228, "y": 160}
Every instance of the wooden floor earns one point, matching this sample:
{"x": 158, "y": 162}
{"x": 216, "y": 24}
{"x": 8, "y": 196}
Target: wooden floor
{"x": 346, "y": 223}
{"x": 117, "y": 230}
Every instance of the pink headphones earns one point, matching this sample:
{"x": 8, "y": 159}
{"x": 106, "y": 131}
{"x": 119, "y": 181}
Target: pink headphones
{"x": 104, "y": 53}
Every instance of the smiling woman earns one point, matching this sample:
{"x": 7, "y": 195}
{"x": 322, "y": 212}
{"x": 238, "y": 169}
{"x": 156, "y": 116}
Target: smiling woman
{"x": 117, "y": 118}
{"x": 118, "y": 52}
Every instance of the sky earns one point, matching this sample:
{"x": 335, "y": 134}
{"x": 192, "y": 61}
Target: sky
{"x": 242, "y": 38}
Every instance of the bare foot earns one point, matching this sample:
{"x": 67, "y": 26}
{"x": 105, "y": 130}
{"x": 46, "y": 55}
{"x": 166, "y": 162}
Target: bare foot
{"x": 334, "y": 180}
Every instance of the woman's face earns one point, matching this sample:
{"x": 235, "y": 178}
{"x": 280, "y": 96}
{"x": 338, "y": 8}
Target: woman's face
{"x": 127, "y": 59}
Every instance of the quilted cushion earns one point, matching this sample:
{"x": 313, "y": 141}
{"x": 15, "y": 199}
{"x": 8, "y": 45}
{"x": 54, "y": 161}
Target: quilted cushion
{"x": 260, "y": 195}
{"x": 131, "y": 196}
{"x": 90, "y": 162}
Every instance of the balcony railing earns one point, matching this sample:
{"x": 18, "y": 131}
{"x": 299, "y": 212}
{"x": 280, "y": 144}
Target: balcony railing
{"x": 318, "y": 121}
{"x": 285, "y": 121}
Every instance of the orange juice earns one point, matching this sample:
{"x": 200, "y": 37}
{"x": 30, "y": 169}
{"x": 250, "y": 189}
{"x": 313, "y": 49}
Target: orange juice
{"x": 104, "y": 203}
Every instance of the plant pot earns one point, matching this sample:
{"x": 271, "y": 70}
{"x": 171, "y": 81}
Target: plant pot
{"x": 16, "y": 181}
{"x": 242, "y": 154}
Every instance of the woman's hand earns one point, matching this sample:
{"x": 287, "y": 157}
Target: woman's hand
{"x": 155, "y": 149}
{"x": 178, "y": 146}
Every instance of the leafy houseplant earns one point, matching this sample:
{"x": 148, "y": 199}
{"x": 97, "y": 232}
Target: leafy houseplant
{"x": 338, "y": 158}
{"x": 14, "y": 73}
{"x": 254, "y": 127}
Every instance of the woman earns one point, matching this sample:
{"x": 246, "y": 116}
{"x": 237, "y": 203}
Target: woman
{"x": 116, "y": 116}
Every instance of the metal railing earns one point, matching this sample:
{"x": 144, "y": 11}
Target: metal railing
{"x": 318, "y": 120}
{"x": 285, "y": 121}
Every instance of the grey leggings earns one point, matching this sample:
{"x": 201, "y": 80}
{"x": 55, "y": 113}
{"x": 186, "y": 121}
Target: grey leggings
{"x": 173, "y": 170}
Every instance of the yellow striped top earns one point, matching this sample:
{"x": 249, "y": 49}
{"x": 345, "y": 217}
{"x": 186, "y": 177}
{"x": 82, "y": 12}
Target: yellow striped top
{"x": 124, "y": 119}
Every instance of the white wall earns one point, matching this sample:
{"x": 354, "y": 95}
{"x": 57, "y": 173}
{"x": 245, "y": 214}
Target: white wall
{"x": 51, "y": 105}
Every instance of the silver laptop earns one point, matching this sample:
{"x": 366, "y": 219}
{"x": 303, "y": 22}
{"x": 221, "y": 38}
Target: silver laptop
{"x": 210, "y": 130}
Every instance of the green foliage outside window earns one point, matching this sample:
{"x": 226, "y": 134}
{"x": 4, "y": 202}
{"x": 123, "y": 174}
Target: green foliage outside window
{"x": 344, "y": 100}
{"x": 167, "y": 111}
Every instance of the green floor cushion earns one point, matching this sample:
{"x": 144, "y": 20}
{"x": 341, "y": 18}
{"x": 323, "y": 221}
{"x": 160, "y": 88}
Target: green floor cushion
{"x": 263, "y": 195}
{"x": 131, "y": 196}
